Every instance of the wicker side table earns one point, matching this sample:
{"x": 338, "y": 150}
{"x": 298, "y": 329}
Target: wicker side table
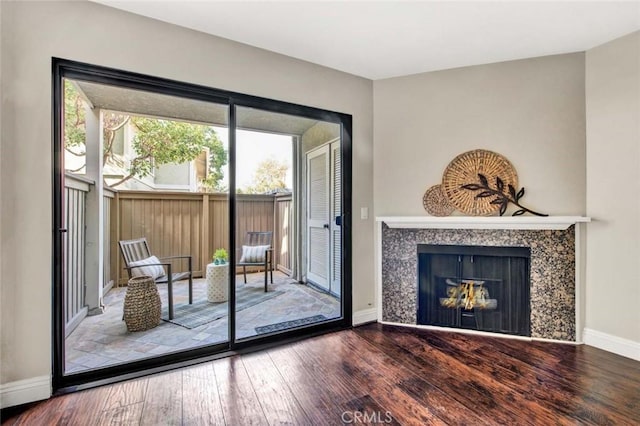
{"x": 217, "y": 282}
{"x": 142, "y": 305}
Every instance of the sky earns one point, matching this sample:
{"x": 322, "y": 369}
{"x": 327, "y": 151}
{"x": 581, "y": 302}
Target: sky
{"x": 251, "y": 149}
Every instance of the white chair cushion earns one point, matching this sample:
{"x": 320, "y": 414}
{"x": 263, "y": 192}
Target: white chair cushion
{"x": 253, "y": 254}
{"x": 152, "y": 271}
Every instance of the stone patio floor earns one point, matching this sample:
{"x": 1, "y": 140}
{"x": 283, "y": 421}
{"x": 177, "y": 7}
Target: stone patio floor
{"x": 103, "y": 340}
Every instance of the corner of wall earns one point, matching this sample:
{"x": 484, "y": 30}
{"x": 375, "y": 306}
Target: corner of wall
{"x": 365, "y": 316}
{"x": 612, "y": 107}
{"x": 610, "y": 343}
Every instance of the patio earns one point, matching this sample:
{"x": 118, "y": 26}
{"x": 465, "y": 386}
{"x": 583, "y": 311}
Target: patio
{"x": 103, "y": 340}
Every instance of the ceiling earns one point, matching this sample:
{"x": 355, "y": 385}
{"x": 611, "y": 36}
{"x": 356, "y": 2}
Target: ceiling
{"x": 121, "y": 99}
{"x": 384, "y": 39}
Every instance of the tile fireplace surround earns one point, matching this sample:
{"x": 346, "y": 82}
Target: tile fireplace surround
{"x": 556, "y": 288}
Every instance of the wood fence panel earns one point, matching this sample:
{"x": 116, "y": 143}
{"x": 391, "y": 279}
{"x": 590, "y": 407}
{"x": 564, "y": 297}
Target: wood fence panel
{"x": 218, "y": 223}
{"x": 173, "y": 223}
{"x": 114, "y": 233}
{"x": 283, "y": 233}
{"x": 107, "y": 238}
{"x": 253, "y": 213}
{"x": 74, "y": 252}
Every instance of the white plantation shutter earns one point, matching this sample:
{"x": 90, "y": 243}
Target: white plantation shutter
{"x": 319, "y": 242}
{"x": 318, "y": 217}
{"x": 337, "y": 211}
{"x": 318, "y": 185}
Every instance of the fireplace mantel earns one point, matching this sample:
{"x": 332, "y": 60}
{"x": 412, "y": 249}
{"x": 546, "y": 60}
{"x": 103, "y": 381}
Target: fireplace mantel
{"x": 483, "y": 222}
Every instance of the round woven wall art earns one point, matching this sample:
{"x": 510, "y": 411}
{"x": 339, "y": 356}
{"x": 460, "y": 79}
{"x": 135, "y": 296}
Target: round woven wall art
{"x": 436, "y": 203}
{"x": 464, "y": 169}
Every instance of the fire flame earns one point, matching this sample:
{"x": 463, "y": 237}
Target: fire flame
{"x": 469, "y": 295}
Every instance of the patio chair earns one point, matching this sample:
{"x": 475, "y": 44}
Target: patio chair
{"x": 257, "y": 251}
{"x": 139, "y": 261}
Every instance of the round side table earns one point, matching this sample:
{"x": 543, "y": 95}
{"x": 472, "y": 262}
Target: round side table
{"x": 217, "y": 282}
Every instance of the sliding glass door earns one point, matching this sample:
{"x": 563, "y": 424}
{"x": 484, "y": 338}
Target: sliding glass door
{"x": 288, "y": 222}
{"x": 190, "y": 221}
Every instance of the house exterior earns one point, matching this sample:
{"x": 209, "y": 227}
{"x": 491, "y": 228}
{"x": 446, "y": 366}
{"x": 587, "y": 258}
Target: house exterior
{"x": 568, "y": 122}
{"x": 184, "y": 177}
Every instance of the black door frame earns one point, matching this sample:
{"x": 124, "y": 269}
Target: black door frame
{"x": 63, "y": 68}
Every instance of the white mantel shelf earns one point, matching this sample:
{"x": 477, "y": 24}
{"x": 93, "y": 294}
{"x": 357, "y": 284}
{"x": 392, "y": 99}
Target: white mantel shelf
{"x": 483, "y": 222}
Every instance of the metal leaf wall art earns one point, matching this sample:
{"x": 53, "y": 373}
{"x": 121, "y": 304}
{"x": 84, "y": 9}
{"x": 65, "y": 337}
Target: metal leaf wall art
{"x": 502, "y": 198}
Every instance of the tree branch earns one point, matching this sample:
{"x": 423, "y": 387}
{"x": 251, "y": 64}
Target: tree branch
{"x": 111, "y": 137}
{"x": 121, "y": 181}
{"x": 107, "y": 151}
{"x": 119, "y": 126}
{"x": 76, "y": 170}
{"x": 81, "y": 154}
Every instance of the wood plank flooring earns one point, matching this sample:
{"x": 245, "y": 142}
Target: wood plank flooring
{"x": 372, "y": 374}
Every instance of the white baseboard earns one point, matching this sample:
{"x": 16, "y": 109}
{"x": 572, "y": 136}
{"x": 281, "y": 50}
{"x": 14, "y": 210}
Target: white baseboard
{"x": 24, "y": 391}
{"x": 364, "y": 316}
{"x": 610, "y": 343}
{"x": 477, "y": 333}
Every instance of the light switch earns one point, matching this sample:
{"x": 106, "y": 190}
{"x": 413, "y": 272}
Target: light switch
{"x": 364, "y": 213}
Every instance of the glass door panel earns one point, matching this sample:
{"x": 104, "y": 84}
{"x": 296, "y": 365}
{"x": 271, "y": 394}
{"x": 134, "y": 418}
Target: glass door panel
{"x": 288, "y": 222}
{"x": 146, "y": 206}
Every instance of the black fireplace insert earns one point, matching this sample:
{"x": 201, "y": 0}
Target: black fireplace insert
{"x": 475, "y": 287}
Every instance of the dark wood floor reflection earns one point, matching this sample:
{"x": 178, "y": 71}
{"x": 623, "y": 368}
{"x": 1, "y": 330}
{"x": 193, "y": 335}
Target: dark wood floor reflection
{"x": 372, "y": 374}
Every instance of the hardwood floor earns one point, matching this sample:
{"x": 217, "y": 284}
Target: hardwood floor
{"x": 372, "y": 374}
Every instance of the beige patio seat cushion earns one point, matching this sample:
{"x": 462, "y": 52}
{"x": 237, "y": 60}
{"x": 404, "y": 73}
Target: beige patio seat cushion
{"x": 154, "y": 270}
{"x": 254, "y": 254}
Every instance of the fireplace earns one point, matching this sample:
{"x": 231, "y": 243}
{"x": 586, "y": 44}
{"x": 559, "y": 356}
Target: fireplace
{"x": 484, "y": 288}
{"x": 555, "y": 286}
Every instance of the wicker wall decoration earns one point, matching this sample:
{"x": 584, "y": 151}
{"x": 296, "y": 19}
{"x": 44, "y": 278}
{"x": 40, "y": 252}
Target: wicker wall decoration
{"x": 464, "y": 169}
{"x": 436, "y": 203}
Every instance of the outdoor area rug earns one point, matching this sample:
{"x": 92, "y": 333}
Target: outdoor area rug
{"x": 202, "y": 311}
{"x": 289, "y": 324}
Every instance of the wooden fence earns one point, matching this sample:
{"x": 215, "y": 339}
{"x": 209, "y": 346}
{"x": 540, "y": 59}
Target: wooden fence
{"x": 179, "y": 223}
{"x": 76, "y": 190}
{"x": 283, "y": 232}
{"x": 174, "y": 223}
{"x": 107, "y": 234}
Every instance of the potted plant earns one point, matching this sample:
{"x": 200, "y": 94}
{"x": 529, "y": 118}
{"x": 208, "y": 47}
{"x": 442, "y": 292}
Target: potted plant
{"x": 220, "y": 257}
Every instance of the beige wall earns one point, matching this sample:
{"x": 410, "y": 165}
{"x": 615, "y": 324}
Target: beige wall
{"x": 531, "y": 111}
{"x": 613, "y": 187}
{"x": 34, "y": 32}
